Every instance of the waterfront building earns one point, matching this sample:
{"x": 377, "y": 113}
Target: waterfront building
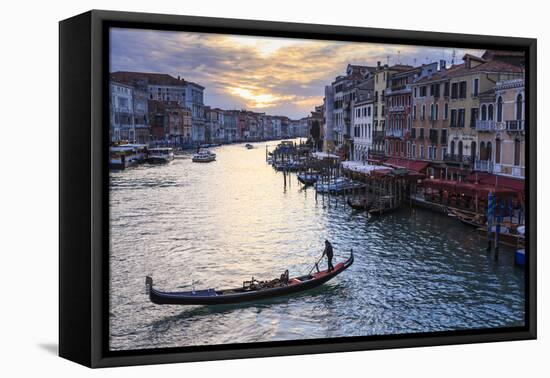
{"x": 215, "y": 126}
{"x": 121, "y": 105}
{"x": 501, "y": 130}
{"x": 381, "y": 79}
{"x": 398, "y": 114}
{"x": 342, "y": 96}
{"x": 328, "y": 120}
{"x": 230, "y": 125}
{"x": 467, "y": 81}
{"x": 178, "y": 128}
{"x": 140, "y": 107}
{"x": 428, "y": 137}
{"x": 363, "y": 126}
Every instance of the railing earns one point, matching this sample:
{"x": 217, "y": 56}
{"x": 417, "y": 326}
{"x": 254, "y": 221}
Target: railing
{"x": 457, "y": 158}
{"x": 515, "y": 126}
{"x": 378, "y": 136}
{"x": 509, "y": 170}
{"x": 397, "y": 133}
{"x": 483, "y": 166}
{"x": 485, "y": 125}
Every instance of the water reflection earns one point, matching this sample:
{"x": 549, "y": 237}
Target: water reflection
{"x": 220, "y": 223}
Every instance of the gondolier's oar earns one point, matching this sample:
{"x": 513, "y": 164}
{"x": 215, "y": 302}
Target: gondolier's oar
{"x": 316, "y": 264}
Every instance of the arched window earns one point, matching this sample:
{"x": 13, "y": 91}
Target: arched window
{"x": 460, "y": 148}
{"x": 482, "y": 151}
{"x": 483, "y": 112}
{"x": 498, "y": 144}
{"x": 453, "y": 147}
{"x": 519, "y": 107}
{"x": 490, "y": 112}
{"x": 473, "y": 150}
{"x": 499, "y": 109}
{"x": 489, "y": 151}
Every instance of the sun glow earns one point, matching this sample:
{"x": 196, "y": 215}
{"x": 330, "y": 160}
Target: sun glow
{"x": 256, "y": 99}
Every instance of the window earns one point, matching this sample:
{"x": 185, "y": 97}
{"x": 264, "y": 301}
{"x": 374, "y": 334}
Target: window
{"x": 519, "y": 107}
{"x": 499, "y": 109}
{"x": 368, "y": 111}
{"x": 421, "y": 152}
{"x": 483, "y": 112}
{"x": 414, "y": 112}
{"x": 423, "y": 91}
{"x": 446, "y": 90}
{"x": 443, "y": 136}
{"x": 436, "y": 113}
{"x": 423, "y": 114}
{"x": 490, "y": 112}
{"x": 476, "y": 87}
{"x": 460, "y": 148}
{"x": 415, "y": 92}
{"x": 461, "y": 117}
{"x": 453, "y": 117}
{"x": 453, "y": 147}
{"x": 454, "y": 90}
{"x": 446, "y": 111}
{"x": 462, "y": 89}
{"x": 473, "y": 117}
{"x": 497, "y": 151}
{"x": 432, "y": 117}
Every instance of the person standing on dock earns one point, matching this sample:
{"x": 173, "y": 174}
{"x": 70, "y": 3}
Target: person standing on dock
{"x": 330, "y": 254}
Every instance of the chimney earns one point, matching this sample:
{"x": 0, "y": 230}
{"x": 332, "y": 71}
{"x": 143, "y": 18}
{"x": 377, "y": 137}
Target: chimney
{"x": 378, "y": 64}
{"x": 442, "y": 65}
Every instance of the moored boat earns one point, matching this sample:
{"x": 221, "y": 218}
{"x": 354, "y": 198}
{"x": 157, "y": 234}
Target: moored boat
{"x": 122, "y": 157}
{"x": 252, "y": 290}
{"x": 506, "y": 236}
{"x": 339, "y": 185}
{"x": 308, "y": 178}
{"x": 160, "y": 155}
{"x": 360, "y": 203}
{"x": 204, "y": 156}
{"x": 468, "y": 218}
{"x": 249, "y": 146}
{"x": 383, "y": 205}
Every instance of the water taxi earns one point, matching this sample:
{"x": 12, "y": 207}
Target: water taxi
{"x": 204, "y": 156}
{"x": 122, "y": 157}
{"x": 160, "y": 155}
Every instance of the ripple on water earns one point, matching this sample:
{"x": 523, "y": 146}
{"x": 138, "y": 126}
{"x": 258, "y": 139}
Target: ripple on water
{"x": 219, "y": 224}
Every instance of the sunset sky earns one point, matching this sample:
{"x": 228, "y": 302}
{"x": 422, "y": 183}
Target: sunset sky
{"x": 273, "y": 75}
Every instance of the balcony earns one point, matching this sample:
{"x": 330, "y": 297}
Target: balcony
{"x": 453, "y": 158}
{"x": 395, "y": 133}
{"x": 378, "y": 136}
{"x": 509, "y": 170}
{"x": 485, "y": 126}
{"x": 483, "y": 166}
{"x": 515, "y": 126}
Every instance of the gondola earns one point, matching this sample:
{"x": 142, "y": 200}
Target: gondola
{"x": 250, "y": 291}
{"x": 360, "y": 204}
{"x": 467, "y": 218}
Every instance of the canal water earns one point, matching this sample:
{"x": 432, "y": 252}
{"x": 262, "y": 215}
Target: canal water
{"x": 215, "y": 225}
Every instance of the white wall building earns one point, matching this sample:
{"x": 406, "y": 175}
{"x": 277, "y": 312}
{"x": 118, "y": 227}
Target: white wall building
{"x": 122, "y": 112}
{"x": 363, "y": 128}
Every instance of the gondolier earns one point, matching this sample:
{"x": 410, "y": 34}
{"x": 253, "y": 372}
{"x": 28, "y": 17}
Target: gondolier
{"x": 330, "y": 254}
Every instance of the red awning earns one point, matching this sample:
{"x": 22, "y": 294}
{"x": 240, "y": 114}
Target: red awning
{"x": 500, "y": 182}
{"x": 413, "y": 165}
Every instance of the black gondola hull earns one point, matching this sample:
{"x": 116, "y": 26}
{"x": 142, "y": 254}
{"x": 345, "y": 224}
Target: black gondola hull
{"x": 211, "y": 297}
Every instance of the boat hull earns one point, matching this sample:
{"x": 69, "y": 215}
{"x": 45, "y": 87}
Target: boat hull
{"x": 212, "y": 297}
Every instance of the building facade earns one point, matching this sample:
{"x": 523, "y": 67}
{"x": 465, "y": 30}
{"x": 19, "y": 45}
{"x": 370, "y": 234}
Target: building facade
{"x": 121, "y": 103}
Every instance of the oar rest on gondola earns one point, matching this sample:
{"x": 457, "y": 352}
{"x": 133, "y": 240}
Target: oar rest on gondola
{"x": 250, "y": 291}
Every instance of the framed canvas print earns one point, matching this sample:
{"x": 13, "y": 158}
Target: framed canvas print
{"x": 234, "y": 188}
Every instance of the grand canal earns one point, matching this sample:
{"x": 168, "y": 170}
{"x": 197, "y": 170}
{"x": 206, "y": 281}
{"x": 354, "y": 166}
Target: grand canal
{"x": 218, "y": 224}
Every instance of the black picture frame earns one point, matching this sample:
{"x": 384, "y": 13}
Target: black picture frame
{"x": 83, "y": 181}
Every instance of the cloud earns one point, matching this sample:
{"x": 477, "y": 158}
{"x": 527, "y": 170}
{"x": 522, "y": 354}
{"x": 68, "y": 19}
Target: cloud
{"x": 275, "y": 75}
